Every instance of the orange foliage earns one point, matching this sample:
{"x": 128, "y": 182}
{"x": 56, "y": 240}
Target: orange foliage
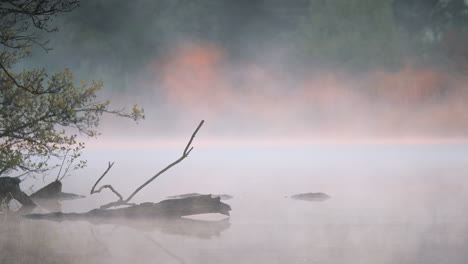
{"x": 412, "y": 101}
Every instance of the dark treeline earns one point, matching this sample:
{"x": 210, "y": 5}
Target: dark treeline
{"x": 357, "y": 34}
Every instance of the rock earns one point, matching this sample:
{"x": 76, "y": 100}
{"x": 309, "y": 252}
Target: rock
{"x": 63, "y": 196}
{"x": 49, "y": 196}
{"x": 312, "y": 197}
{"x": 48, "y": 192}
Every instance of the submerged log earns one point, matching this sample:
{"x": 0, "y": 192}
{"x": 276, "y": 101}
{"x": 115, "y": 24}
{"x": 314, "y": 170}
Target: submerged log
{"x": 174, "y": 208}
{"x": 311, "y": 197}
{"x": 221, "y": 196}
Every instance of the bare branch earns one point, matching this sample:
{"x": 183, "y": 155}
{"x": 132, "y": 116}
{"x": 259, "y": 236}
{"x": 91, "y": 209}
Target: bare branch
{"x": 63, "y": 161}
{"x": 112, "y": 204}
{"x": 191, "y": 139}
{"x": 121, "y": 201}
{"x": 111, "y": 188}
{"x": 100, "y": 178}
{"x": 184, "y": 155}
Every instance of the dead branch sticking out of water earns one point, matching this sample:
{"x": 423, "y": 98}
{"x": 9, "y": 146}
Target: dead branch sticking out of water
{"x": 108, "y": 186}
{"x": 121, "y": 201}
{"x": 168, "y": 209}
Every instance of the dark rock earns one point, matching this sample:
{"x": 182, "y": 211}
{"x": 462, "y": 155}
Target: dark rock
{"x": 312, "y": 197}
{"x": 48, "y": 191}
{"x": 49, "y": 196}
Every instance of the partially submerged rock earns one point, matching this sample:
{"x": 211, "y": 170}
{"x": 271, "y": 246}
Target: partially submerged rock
{"x": 313, "y": 197}
{"x": 63, "y": 196}
{"x": 48, "y": 191}
{"x": 50, "y": 196}
{"x": 181, "y": 196}
{"x": 53, "y": 191}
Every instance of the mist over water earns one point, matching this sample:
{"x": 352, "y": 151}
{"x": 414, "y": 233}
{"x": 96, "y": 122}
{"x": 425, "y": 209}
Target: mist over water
{"x": 389, "y": 203}
{"x": 296, "y": 99}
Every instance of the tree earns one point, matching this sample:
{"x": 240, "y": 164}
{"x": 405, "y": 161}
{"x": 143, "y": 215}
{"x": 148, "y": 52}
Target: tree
{"x": 42, "y": 114}
{"x": 439, "y": 26}
{"x": 356, "y": 34}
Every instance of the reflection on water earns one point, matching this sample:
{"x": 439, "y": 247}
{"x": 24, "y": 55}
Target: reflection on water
{"x": 391, "y": 206}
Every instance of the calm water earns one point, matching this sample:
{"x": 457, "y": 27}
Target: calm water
{"x": 390, "y": 204}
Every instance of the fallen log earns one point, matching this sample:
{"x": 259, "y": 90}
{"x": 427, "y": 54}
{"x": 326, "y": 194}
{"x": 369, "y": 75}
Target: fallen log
{"x": 221, "y": 196}
{"x": 167, "y": 209}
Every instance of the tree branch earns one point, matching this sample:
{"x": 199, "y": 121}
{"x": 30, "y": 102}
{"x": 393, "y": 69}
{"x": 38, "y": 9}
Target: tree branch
{"x": 100, "y": 178}
{"x": 184, "y": 155}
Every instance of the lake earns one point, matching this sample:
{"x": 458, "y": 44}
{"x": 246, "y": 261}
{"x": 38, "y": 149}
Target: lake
{"x": 389, "y": 203}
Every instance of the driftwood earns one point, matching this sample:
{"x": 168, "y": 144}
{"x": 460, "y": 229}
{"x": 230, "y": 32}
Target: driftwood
{"x": 165, "y": 216}
{"x": 221, "y": 196}
{"x": 167, "y": 209}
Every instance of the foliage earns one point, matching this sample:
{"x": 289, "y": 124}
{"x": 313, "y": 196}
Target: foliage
{"x": 122, "y": 38}
{"x": 42, "y": 114}
{"x": 351, "y": 33}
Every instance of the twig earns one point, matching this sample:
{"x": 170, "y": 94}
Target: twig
{"x": 120, "y": 201}
{"x": 111, "y": 188}
{"x": 63, "y": 161}
{"x": 100, "y": 178}
{"x": 66, "y": 170}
